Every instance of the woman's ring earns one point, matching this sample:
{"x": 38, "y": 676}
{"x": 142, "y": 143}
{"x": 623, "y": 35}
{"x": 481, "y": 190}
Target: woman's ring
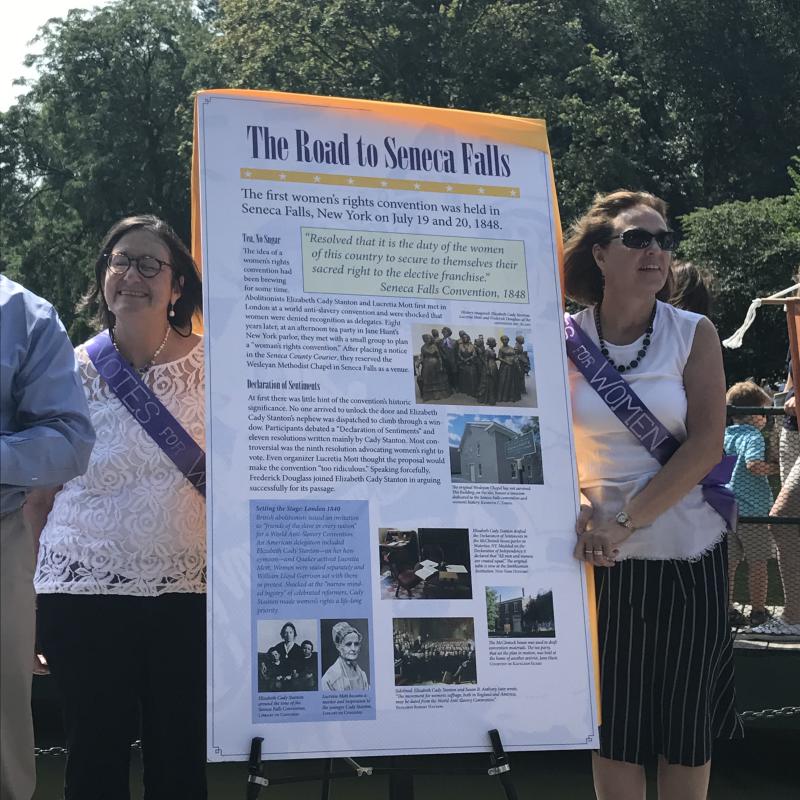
{"x": 597, "y": 552}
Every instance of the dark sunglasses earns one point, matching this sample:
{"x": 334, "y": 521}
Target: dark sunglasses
{"x": 640, "y": 239}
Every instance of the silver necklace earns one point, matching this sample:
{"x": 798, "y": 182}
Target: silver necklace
{"x": 141, "y": 370}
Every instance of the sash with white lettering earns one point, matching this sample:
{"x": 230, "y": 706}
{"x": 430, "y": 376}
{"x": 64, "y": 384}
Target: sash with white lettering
{"x": 629, "y": 409}
{"x": 148, "y": 410}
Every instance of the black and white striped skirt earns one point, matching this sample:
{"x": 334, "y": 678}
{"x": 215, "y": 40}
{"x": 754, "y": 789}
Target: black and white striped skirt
{"x": 666, "y": 659}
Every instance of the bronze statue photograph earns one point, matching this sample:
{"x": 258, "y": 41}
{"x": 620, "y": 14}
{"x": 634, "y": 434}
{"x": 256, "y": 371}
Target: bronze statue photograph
{"x": 469, "y": 369}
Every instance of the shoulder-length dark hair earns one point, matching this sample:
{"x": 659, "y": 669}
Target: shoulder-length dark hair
{"x": 583, "y": 280}
{"x": 189, "y": 304}
{"x": 692, "y": 288}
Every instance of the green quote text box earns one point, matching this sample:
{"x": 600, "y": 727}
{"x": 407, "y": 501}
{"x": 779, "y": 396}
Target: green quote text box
{"x": 414, "y": 265}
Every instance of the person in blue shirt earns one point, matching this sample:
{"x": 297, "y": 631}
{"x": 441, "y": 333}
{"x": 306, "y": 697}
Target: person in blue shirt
{"x": 45, "y": 440}
{"x": 752, "y": 542}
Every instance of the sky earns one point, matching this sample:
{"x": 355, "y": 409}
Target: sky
{"x": 18, "y": 28}
{"x": 512, "y": 592}
{"x": 456, "y": 422}
{"x": 508, "y": 592}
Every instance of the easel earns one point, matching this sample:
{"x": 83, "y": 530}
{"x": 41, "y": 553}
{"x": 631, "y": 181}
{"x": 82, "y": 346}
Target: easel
{"x": 401, "y": 779}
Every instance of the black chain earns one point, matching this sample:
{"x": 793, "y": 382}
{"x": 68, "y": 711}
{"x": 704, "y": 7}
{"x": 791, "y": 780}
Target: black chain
{"x": 772, "y": 713}
{"x": 62, "y": 751}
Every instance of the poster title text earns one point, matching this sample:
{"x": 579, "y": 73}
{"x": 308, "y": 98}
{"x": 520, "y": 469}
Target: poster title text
{"x": 468, "y": 159}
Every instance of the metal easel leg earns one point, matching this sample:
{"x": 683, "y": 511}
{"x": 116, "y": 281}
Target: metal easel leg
{"x": 401, "y": 785}
{"x": 327, "y": 771}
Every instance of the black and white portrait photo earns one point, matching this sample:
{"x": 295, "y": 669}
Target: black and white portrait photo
{"x": 345, "y": 655}
{"x": 288, "y": 656}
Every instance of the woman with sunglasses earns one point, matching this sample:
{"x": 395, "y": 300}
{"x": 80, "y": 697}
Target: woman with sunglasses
{"x": 658, "y": 548}
{"x": 122, "y": 560}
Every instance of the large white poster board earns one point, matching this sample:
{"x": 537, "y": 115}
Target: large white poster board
{"x": 391, "y": 508}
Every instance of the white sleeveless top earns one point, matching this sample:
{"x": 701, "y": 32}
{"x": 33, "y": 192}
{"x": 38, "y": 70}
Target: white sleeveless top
{"x": 133, "y": 524}
{"x": 613, "y": 466}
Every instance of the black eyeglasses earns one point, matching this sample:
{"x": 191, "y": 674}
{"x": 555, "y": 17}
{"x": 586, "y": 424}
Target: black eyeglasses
{"x": 148, "y": 266}
{"x": 640, "y": 239}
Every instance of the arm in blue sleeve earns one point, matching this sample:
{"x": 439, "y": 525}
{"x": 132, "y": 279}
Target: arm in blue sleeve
{"x": 55, "y": 435}
{"x": 754, "y": 447}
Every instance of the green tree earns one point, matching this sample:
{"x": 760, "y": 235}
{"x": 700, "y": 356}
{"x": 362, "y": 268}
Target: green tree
{"x": 492, "y": 609}
{"x": 696, "y": 100}
{"x": 676, "y": 97}
{"x": 752, "y": 249}
{"x": 526, "y": 57}
{"x": 724, "y": 84}
{"x": 103, "y": 132}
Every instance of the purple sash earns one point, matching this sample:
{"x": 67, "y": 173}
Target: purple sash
{"x": 628, "y": 408}
{"x": 148, "y": 410}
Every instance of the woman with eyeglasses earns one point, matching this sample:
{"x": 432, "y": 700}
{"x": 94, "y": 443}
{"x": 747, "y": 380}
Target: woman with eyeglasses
{"x": 657, "y": 546}
{"x": 121, "y": 565}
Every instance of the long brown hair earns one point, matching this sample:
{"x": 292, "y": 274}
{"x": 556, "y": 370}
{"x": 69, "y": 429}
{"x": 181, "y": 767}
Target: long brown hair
{"x": 583, "y": 280}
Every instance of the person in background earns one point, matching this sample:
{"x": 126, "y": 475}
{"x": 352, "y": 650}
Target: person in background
{"x": 751, "y": 542}
{"x": 121, "y": 571}
{"x": 45, "y": 440}
{"x": 691, "y": 288}
{"x": 787, "y": 537}
{"x": 657, "y": 547}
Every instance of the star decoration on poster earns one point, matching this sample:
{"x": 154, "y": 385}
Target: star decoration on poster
{"x": 369, "y": 182}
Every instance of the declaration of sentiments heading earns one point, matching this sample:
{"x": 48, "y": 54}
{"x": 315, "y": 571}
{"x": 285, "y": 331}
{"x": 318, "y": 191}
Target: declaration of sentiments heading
{"x": 486, "y": 160}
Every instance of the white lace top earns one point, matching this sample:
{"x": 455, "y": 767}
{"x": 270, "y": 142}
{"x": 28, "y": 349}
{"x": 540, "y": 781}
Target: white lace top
{"x": 613, "y": 466}
{"x": 133, "y": 524}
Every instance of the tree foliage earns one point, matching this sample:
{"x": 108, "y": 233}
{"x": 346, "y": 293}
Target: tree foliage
{"x": 103, "y": 132}
{"x": 752, "y": 250}
{"x": 696, "y": 100}
{"x": 723, "y": 78}
{"x": 528, "y": 58}
{"x": 492, "y": 608}
{"x": 539, "y": 611}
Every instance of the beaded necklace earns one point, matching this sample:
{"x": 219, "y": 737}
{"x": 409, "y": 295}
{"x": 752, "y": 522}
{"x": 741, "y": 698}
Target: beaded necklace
{"x": 642, "y": 352}
{"x": 141, "y": 370}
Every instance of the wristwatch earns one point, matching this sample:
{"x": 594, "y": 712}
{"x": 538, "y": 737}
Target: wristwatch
{"x": 624, "y": 519}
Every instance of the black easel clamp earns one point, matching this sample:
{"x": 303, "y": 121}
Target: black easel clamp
{"x": 255, "y": 778}
{"x": 500, "y": 767}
